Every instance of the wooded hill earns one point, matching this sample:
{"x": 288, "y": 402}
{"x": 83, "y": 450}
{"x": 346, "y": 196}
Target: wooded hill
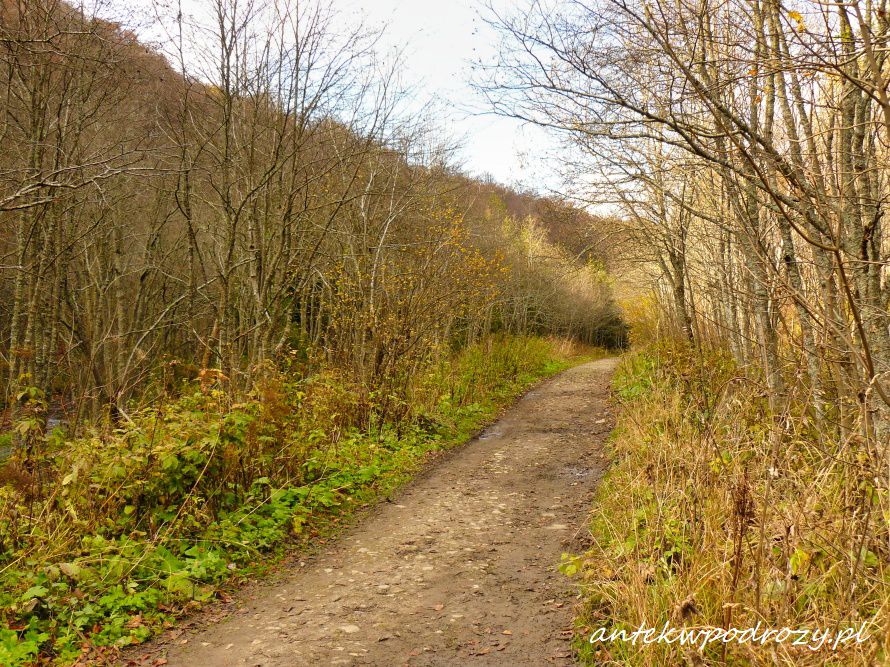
{"x": 261, "y": 195}
{"x": 243, "y": 292}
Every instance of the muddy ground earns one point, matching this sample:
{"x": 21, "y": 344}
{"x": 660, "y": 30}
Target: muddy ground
{"x": 459, "y": 569}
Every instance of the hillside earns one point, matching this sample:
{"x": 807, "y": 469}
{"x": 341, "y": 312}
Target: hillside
{"x": 236, "y": 306}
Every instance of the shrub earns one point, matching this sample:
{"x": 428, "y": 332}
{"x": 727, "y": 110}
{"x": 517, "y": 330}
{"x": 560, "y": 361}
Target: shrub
{"x": 133, "y": 526}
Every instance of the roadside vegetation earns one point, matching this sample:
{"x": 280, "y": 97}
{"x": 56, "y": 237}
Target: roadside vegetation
{"x": 743, "y": 147}
{"x": 143, "y": 522}
{"x": 243, "y": 292}
{"x": 704, "y": 521}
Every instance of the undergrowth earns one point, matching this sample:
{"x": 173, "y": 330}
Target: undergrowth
{"x": 715, "y": 515}
{"x": 141, "y": 524}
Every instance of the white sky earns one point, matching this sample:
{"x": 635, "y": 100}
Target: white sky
{"x": 441, "y": 40}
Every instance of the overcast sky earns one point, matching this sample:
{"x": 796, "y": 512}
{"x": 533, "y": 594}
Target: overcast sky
{"x": 441, "y": 40}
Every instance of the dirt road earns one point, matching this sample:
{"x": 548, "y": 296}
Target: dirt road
{"x": 459, "y": 570}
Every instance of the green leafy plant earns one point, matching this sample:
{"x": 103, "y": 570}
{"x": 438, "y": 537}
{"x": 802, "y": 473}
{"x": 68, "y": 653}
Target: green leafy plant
{"x": 157, "y": 516}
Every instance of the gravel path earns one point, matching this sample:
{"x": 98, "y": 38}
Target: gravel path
{"x": 459, "y": 570}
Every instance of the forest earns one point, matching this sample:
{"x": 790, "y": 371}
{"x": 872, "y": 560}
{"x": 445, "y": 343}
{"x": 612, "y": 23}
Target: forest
{"x": 237, "y": 299}
{"x": 247, "y": 292}
{"x": 745, "y": 144}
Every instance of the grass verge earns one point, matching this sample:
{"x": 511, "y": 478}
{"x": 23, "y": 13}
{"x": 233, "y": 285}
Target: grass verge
{"x": 715, "y": 515}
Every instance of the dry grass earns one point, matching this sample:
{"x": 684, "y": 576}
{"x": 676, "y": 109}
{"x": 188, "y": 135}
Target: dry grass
{"x": 716, "y": 515}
